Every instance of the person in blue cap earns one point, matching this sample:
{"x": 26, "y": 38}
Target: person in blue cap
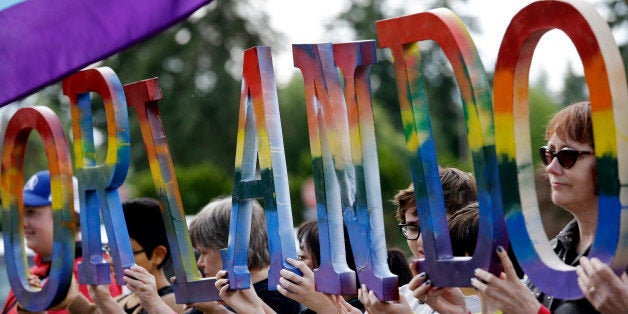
{"x": 38, "y": 233}
{"x": 38, "y": 224}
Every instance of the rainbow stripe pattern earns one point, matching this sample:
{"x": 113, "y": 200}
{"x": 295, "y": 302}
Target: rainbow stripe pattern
{"x": 609, "y": 102}
{"x": 46, "y": 123}
{"x": 344, "y": 159}
{"x": 190, "y": 286}
{"x": 259, "y": 135}
{"x": 98, "y": 183}
{"x": 364, "y": 219}
{"x": 402, "y": 35}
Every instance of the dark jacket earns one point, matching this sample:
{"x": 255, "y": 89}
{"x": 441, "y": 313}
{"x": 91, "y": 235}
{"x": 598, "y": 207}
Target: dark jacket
{"x": 565, "y": 245}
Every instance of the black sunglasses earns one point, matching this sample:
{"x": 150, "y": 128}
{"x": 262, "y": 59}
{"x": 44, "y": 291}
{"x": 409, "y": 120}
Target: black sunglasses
{"x": 410, "y": 231}
{"x": 567, "y": 157}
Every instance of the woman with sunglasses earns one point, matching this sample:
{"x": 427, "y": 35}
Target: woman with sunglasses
{"x": 570, "y": 165}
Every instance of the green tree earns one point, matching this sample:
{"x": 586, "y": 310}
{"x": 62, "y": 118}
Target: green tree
{"x": 393, "y": 165}
{"x": 199, "y": 65}
{"x": 574, "y": 88}
{"x": 442, "y": 91}
{"x": 616, "y": 14}
{"x": 443, "y": 98}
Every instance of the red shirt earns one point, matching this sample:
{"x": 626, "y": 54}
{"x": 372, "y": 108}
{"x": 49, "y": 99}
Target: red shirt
{"x": 41, "y": 270}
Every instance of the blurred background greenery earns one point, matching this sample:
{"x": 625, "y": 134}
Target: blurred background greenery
{"x": 197, "y": 65}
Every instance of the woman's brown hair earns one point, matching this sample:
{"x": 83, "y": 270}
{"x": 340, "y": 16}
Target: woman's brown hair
{"x": 573, "y": 122}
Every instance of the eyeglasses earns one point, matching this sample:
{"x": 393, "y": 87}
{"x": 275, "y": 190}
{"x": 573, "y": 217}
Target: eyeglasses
{"x": 410, "y": 231}
{"x": 107, "y": 250}
{"x": 567, "y": 157}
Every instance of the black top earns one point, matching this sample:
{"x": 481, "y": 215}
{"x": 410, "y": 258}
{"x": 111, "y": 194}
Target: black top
{"x": 354, "y": 302}
{"x": 565, "y": 245}
{"x": 357, "y": 304}
{"x": 276, "y": 300}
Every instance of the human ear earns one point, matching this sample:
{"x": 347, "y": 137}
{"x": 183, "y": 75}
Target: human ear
{"x": 159, "y": 254}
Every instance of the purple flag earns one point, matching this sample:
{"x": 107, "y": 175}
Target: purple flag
{"x": 44, "y": 40}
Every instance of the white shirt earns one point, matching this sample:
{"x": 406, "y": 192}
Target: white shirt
{"x": 472, "y": 301}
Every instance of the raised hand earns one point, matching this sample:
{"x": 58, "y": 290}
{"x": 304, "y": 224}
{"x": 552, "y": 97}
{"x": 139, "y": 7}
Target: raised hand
{"x": 241, "y": 301}
{"x": 142, "y": 284}
{"x": 303, "y": 288}
{"x": 442, "y": 300}
{"x": 505, "y": 292}
{"x": 373, "y": 305}
{"x": 341, "y": 305}
{"x": 606, "y": 291}
{"x": 34, "y": 281}
{"x": 103, "y": 300}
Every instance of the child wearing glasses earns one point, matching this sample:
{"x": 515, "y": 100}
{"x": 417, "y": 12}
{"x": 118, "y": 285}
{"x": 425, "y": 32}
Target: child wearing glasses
{"x": 459, "y": 190}
{"x": 151, "y": 291}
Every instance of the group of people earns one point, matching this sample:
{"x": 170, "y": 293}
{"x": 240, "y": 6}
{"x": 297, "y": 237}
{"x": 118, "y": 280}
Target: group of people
{"x": 570, "y": 165}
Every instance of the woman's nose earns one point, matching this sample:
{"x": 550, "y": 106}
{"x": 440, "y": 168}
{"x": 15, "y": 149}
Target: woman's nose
{"x": 554, "y": 167}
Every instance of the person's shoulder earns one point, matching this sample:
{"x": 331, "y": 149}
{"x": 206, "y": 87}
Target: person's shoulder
{"x": 261, "y": 285}
{"x": 279, "y": 302}
{"x": 171, "y": 301}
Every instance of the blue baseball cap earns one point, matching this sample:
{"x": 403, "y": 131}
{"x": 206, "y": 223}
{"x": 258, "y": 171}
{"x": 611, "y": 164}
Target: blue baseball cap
{"x": 36, "y": 191}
